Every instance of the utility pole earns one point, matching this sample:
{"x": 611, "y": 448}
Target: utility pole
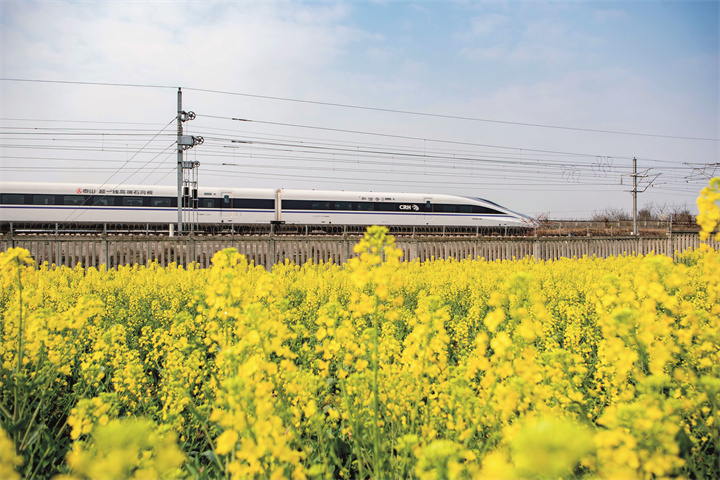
{"x": 185, "y": 142}
{"x": 179, "y": 160}
{"x": 635, "y": 175}
{"x": 634, "y": 194}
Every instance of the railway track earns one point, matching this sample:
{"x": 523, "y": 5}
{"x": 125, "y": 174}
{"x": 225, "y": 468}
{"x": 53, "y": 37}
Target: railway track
{"x": 58, "y": 229}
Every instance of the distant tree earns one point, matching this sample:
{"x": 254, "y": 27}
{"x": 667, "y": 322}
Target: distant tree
{"x": 610, "y": 214}
{"x": 646, "y": 213}
{"x": 681, "y": 214}
{"x": 676, "y": 213}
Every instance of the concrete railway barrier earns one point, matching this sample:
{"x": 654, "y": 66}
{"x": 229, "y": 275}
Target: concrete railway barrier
{"x": 268, "y": 250}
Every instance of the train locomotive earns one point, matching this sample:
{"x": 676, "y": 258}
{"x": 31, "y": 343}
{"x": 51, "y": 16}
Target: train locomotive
{"x": 82, "y": 204}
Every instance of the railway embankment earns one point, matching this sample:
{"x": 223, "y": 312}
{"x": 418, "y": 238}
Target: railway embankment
{"x": 269, "y": 249}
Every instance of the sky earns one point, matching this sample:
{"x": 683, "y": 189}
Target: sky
{"x": 539, "y": 106}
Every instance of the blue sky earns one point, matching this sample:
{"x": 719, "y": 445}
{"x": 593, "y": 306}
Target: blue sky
{"x": 519, "y": 69}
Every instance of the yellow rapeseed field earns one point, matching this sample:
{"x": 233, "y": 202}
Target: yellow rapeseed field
{"x": 586, "y": 368}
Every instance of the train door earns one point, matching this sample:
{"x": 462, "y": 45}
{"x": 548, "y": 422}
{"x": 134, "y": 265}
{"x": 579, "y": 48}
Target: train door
{"x": 278, "y": 206}
{"x": 428, "y": 208}
{"x": 226, "y": 206}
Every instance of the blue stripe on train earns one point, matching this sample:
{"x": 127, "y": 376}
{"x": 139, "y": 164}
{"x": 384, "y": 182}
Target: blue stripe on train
{"x": 212, "y": 210}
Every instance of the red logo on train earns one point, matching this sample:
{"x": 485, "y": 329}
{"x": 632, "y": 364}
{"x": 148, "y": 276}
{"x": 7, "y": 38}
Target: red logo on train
{"x": 79, "y": 190}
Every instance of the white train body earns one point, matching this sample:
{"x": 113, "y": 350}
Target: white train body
{"x": 22, "y": 202}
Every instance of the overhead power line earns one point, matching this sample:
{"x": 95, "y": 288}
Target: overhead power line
{"x": 404, "y": 137}
{"x": 288, "y": 153}
{"x": 422, "y": 139}
{"x": 512, "y": 164}
{"x": 136, "y": 153}
{"x": 99, "y": 84}
{"x": 366, "y": 108}
{"x": 5, "y": 119}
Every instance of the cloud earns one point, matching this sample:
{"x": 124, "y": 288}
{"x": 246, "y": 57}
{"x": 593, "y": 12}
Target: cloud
{"x": 526, "y": 53}
{"x": 536, "y": 42}
{"x": 221, "y": 45}
{"x": 540, "y": 53}
{"x": 484, "y": 26}
{"x": 608, "y": 15}
{"x": 545, "y": 30}
{"x": 383, "y": 53}
{"x": 484, "y": 53}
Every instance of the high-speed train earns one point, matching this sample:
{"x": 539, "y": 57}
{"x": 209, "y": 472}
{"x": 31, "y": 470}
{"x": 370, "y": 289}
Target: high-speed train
{"x": 81, "y": 203}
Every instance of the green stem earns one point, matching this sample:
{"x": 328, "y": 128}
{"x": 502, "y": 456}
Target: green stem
{"x": 20, "y": 323}
{"x": 45, "y": 453}
{"x": 482, "y": 412}
{"x": 30, "y": 424}
{"x": 19, "y": 355}
{"x": 418, "y": 392}
{"x": 321, "y": 443}
{"x": 355, "y": 433}
{"x": 203, "y": 426}
{"x": 376, "y": 396}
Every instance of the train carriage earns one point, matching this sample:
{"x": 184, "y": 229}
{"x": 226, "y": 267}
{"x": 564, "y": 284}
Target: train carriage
{"x": 80, "y": 204}
{"x": 382, "y": 208}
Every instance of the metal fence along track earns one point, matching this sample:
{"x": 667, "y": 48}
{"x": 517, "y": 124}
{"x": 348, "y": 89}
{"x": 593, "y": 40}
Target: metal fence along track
{"x": 114, "y": 251}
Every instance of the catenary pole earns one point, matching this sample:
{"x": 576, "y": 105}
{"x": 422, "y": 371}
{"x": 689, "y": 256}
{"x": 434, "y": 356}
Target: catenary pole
{"x": 635, "y": 192}
{"x": 179, "y": 160}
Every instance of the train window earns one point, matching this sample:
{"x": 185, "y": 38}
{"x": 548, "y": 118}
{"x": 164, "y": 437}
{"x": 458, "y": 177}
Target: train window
{"x": 44, "y": 199}
{"x": 103, "y": 201}
{"x": 207, "y": 203}
{"x": 479, "y": 209}
{"x": 12, "y": 198}
{"x": 73, "y": 199}
{"x": 465, "y": 208}
{"x": 226, "y": 200}
{"x": 161, "y": 202}
{"x": 296, "y": 204}
{"x": 385, "y": 207}
{"x": 366, "y": 206}
{"x": 261, "y": 203}
{"x": 342, "y": 205}
{"x": 132, "y": 201}
{"x": 447, "y": 208}
{"x": 321, "y": 205}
